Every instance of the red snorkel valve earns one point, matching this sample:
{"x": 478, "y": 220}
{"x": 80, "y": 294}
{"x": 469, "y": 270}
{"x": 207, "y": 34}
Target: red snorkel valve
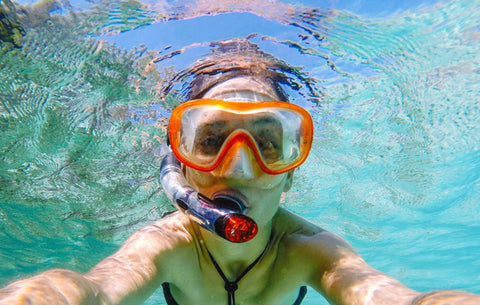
{"x": 213, "y": 215}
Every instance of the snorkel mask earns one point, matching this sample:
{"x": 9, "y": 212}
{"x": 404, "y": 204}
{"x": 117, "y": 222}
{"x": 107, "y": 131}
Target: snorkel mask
{"x": 201, "y": 133}
{"x": 279, "y": 134}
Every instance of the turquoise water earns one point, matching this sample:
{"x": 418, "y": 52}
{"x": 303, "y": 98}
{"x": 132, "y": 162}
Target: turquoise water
{"x": 393, "y": 91}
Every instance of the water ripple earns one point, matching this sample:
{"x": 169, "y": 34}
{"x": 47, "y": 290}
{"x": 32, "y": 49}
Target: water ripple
{"x": 394, "y": 101}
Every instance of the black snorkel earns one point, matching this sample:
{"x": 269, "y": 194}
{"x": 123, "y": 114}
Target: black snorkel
{"x": 213, "y": 215}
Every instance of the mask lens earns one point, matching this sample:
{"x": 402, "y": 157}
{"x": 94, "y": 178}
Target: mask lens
{"x": 278, "y": 133}
{"x": 212, "y": 135}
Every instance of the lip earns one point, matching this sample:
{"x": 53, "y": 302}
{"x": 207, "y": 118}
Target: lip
{"x": 231, "y": 200}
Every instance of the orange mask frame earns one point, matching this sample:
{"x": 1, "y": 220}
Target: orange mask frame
{"x": 296, "y": 123}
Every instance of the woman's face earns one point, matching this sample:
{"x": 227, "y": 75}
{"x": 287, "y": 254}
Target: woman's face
{"x": 239, "y": 174}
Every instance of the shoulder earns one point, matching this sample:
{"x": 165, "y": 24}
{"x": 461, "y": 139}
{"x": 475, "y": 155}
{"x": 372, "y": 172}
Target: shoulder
{"x": 144, "y": 260}
{"x": 174, "y": 229}
{"x": 161, "y": 241}
{"x": 331, "y": 266}
{"x": 315, "y": 248}
{"x": 296, "y": 231}
{"x": 289, "y": 224}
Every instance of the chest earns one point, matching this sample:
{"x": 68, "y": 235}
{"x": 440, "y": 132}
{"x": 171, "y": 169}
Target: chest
{"x": 274, "y": 280}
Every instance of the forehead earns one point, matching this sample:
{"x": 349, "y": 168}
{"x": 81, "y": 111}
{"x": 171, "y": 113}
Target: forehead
{"x": 242, "y": 88}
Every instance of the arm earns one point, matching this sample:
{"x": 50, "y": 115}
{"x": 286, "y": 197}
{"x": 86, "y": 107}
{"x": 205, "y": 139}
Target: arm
{"x": 343, "y": 277}
{"x": 132, "y": 274}
{"x": 124, "y": 274}
{"x": 52, "y": 287}
{"x": 129, "y": 276}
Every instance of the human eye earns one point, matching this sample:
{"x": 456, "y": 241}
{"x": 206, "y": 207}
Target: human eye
{"x": 268, "y": 135}
{"x": 209, "y": 138}
{"x": 271, "y": 148}
{"x": 210, "y": 145}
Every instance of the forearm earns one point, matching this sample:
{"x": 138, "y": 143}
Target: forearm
{"x": 377, "y": 288}
{"x": 369, "y": 289}
{"x": 352, "y": 281}
{"x": 446, "y": 297}
{"x": 56, "y": 286}
{"x": 129, "y": 276}
{"x": 125, "y": 281}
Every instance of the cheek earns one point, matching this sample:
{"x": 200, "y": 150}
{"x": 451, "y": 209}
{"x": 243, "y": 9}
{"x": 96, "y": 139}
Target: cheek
{"x": 198, "y": 179}
{"x": 264, "y": 204}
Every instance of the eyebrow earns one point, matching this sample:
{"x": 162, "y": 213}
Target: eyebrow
{"x": 213, "y": 124}
{"x": 220, "y": 122}
{"x": 267, "y": 120}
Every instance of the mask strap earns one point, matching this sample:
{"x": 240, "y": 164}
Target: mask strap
{"x": 231, "y": 287}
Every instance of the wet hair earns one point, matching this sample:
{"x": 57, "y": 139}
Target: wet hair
{"x": 236, "y": 58}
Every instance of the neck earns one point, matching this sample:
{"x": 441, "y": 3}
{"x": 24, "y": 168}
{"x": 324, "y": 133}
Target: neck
{"x": 233, "y": 258}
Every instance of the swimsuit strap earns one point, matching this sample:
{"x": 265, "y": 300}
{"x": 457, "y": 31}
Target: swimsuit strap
{"x": 231, "y": 287}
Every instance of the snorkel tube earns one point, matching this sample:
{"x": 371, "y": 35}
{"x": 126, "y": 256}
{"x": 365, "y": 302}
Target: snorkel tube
{"x": 225, "y": 222}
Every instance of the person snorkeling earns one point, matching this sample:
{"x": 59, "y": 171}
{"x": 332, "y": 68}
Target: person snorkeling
{"x": 234, "y": 146}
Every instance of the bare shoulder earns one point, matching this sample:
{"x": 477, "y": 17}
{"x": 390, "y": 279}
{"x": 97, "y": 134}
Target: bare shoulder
{"x": 297, "y": 230}
{"x": 168, "y": 234}
{"x": 128, "y": 276}
{"x": 332, "y": 267}
{"x": 150, "y": 247}
{"x": 174, "y": 226}
{"x": 144, "y": 261}
{"x": 315, "y": 246}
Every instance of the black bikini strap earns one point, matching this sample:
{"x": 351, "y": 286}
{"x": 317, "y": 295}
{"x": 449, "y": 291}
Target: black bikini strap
{"x": 231, "y": 287}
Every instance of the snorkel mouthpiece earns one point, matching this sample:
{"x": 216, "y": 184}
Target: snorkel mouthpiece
{"x": 214, "y": 215}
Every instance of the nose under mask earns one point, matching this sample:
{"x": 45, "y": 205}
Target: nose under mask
{"x": 239, "y": 163}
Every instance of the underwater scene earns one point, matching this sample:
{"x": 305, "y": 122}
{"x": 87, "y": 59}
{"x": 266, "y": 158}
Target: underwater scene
{"x": 87, "y": 88}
